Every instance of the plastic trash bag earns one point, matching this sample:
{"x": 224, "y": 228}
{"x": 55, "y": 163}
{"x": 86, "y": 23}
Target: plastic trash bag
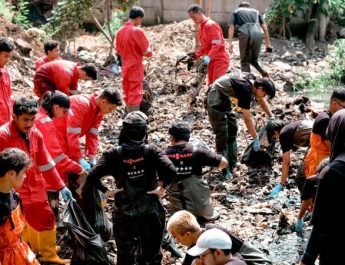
{"x": 88, "y": 247}
{"x": 263, "y": 157}
{"x": 92, "y": 206}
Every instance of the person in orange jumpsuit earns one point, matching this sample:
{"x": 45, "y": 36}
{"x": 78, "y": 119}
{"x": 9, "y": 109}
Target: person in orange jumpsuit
{"x": 132, "y": 45}
{"x": 55, "y": 105}
{"x": 319, "y": 146}
{"x": 13, "y": 251}
{"x": 62, "y": 75}
{"x": 212, "y": 44}
{"x": 52, "y": 50}
{"x": 41, "y": 176}
{"x": 6, "y": 100}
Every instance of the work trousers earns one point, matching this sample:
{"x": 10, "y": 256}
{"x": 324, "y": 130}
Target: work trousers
{"x": 250, "y": 40}
{"x": 224, "y": 125}
{"x": 139, "y": 237}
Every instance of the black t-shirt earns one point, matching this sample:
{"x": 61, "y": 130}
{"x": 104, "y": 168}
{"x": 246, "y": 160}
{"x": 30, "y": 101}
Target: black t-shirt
{"x": 236, "y": 243}
{"x": 286, "y": 136}
{"x": 244, "y": 15}
{"x": 186, "y": 164}
{"x": 238, "y": 88}
{"x": 329, "y": 199}
{"x": 321, "y": 123}
{"x": 8, "y": 202}
{"x": 134, "y": 166}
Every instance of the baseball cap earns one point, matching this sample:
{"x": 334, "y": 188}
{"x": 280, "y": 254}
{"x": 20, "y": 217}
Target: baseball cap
{"x": 213, "y": 238}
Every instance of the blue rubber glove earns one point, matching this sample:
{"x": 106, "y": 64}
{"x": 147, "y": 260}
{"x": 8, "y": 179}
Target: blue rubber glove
{"x": 256, "y": 144}
{"x": 299, "y": 226}
{"x": 206, "y": 59}
{"x": 66, "y": 194}
{"x": 92, "y": 162}
{"x": 85, "y": 165}
{"x": 276, "y": 190}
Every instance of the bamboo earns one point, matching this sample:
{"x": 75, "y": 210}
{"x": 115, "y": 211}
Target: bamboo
{"x": 208, "y": 8}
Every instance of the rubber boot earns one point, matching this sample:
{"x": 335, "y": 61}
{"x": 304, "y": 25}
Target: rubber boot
{"x": 226, "y": 173}
{"x": 130, "y": 108}
{"x": 47, "y": 240}
{"x": 232, "y": 154}
{"x": 31, "y": 236}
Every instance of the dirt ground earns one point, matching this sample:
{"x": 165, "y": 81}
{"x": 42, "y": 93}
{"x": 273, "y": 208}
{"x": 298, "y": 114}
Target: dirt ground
{"x": 242, "y": 201}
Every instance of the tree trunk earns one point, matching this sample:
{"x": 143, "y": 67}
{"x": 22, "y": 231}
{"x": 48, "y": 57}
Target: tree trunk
{"x": 323, "y": 24}
{"x": 312, "y": 26}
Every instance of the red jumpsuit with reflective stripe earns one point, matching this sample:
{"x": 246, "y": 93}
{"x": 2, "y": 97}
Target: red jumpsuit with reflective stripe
{"x": 84, "y": 118}
{"x": 14, "y": 251}
{"x": 63, "y": 163}
{"x": 41, "y": 61}
{"x": 212, "y": 44}
{"x": 132, "y": 45}
{"x": 6, "y": 100}
{"x": 56, "y": 75}
{"x": 40, "y": 176}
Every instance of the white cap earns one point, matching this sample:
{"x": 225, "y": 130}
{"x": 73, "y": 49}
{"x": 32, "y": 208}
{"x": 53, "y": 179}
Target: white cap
{"x": 213, "y": 238}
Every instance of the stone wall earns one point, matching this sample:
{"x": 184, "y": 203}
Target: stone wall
{"x": 166, "y": 11}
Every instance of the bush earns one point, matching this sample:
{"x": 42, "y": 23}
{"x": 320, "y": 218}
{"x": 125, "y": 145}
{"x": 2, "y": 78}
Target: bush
{"x": 6, "y": 10}
{"x": 333, "y": 76}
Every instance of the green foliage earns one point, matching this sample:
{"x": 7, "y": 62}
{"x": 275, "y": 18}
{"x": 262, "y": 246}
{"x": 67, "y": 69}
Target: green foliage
{"x": 116, "y": 21}
{"x": 288, "y": 9}
{"x": 20, "y": 16}
{"x": 6, "y": 10}
{"x": 337, "y": 11}
{"x": 331, "y": 77}
{"x": 67, "y": 18}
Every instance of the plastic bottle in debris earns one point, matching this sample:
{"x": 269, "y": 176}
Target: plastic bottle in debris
{"x": 103, "y": 198}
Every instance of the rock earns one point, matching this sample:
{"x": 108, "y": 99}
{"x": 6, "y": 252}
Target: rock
{"x": 24, "y": 47}
{"x": 282, "y": 66}
{"x": 34, "y": 33}
{"x": 342, "y": 33}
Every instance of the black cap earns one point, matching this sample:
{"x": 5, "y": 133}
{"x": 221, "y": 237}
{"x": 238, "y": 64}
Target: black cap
{"x": 180, "y": 131}
{"x": 134, "y": 128}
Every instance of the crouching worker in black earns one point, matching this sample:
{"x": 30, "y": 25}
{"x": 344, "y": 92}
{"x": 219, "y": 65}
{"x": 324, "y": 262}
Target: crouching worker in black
{"x": 143, "y": 172}
{"x": 223, "y": 120}
{"x": 190, "y": 192}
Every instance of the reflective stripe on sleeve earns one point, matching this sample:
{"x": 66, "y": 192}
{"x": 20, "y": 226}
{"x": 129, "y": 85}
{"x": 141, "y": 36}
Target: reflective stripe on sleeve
{"x": 216, "y": 41}
{"x": 94, "y": 131}
{"x": 45, "y": 120}
{"x": 73, "y": 130}
{"x": 47, "y": 167}
{"x": 59, "y": 158}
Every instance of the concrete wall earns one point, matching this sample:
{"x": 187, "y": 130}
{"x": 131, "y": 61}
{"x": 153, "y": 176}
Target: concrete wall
{"x": 166, "y": 11}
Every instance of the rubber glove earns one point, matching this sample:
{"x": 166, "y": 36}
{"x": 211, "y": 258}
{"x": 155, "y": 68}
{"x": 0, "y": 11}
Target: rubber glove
{"x": 272, "y": 118}
{"x": 92, "y": 162}
{"x": 299, "y": 226}
{"x": 256, "y": 144}
{"x": 86, "y": 166}
{"x": 206, "y": 59}
{"x": 66, "y": 194}
{"x": 276, "y": 190}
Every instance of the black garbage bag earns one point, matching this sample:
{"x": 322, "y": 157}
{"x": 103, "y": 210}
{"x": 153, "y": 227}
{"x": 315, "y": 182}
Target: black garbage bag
{"x": 148, "y": 97}
{"x": 94, "y": 212}
{"x": 88, "y": 247}
{"x": 263, "y": 157}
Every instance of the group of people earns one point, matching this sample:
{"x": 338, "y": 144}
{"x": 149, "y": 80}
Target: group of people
{"x": 40, "y": 149}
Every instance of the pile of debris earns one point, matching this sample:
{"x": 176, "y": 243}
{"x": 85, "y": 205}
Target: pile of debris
{"x": 242, "y": 201}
